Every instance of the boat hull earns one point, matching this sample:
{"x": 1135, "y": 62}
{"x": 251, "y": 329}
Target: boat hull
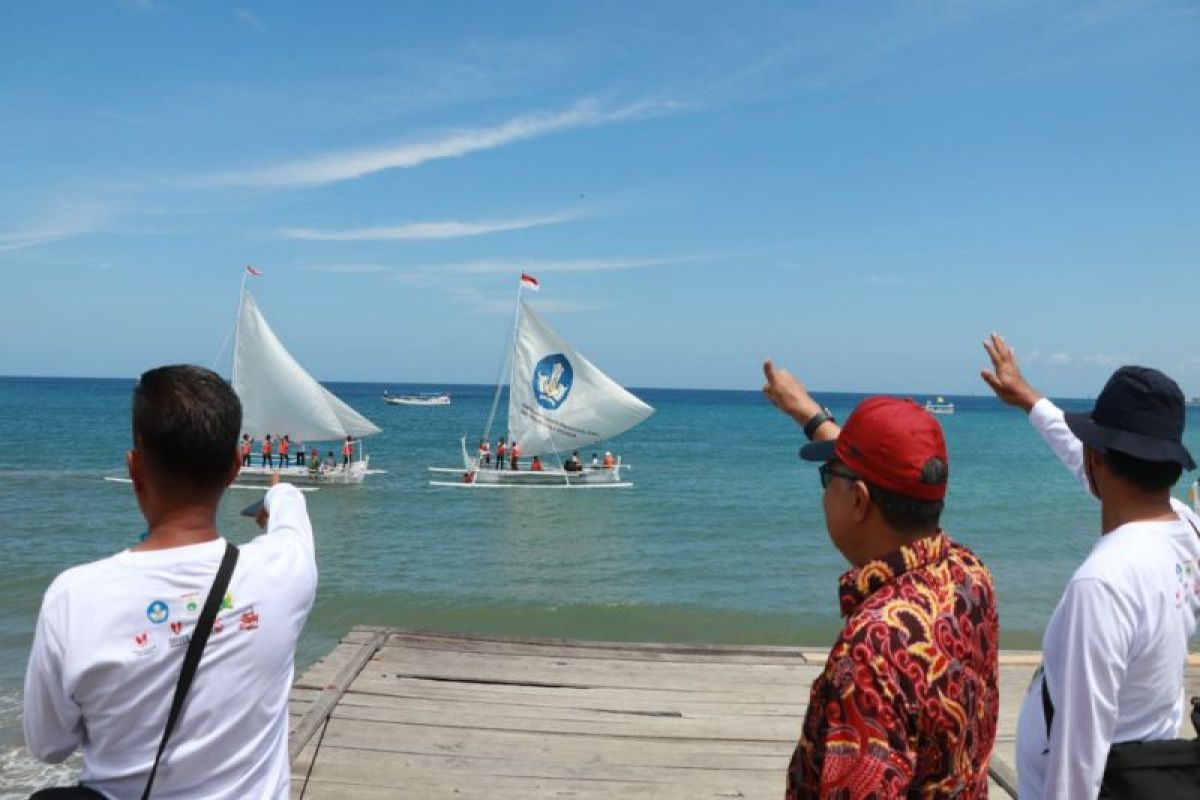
{"x": 548, "y": 479}
{"x": 440, "y": 400}
{"x": 356, "y": 473}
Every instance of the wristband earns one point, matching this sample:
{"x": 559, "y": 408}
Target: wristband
{"x": 816, "y": 421}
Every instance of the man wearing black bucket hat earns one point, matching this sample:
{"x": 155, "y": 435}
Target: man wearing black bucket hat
{"x": 1116, "y": 646}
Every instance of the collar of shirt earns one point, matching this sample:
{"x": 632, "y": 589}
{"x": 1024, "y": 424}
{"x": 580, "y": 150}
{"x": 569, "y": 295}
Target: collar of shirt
{"x": 857, "y": 585}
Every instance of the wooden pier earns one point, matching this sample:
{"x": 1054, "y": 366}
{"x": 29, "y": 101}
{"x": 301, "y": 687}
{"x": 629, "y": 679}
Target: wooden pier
{"x": 392, "y": 713}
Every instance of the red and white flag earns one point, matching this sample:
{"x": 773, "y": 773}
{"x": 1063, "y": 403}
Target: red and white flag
{"x": 530, "y": 281}
{"x": 252, "y": 271}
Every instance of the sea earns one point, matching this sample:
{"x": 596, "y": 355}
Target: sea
{"x": 721, "y": 539}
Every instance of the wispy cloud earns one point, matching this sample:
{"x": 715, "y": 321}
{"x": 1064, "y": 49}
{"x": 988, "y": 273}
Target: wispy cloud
{"x": 427, "y": 230}
{"x": 483, "y": 303}
{"x": 248, "y": 17}
{"x": 1106, "y": 360}
{"x": 497, "y": 267}
{"x": 348, "y": 165}
{"x": 32, "y": 238}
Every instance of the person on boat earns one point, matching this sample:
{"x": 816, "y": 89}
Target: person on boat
{"x": 314, "y": 463}
{"x": 574, "y": 464}
{"x": 268, "y": 460}
{"x": 285, "y": 444}
{"x": 921, "y": 630}
{"x": 110, "y": 637}
{"x": 1116, "y": 646}
{"x": 609, "y": 462}
{"x": 501, "y": 450}
{"x": 485, "y": 452}
{"x": 347, "y": 452}
{"x": 514, "y": 455}
{"x": 595, "y": 461}
{"x": 246, "y": 447}
{"x": 535, "y": 465}
{"x": 330, "y": 463}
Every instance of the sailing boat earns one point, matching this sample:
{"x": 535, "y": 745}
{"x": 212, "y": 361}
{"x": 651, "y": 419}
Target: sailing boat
{"x": 279, "y": 397}
{"x": 558, "y": 402}
{"x": 939, "y": 407}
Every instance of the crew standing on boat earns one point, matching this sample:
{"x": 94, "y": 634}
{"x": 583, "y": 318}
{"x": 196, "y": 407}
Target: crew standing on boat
{"x": 314, "y": 463}
{"x": 247, "y": 447}
{"x": 267, "y": 458}
{"x": 574, "y": 464}
{"x": 515, "y": 455}
{"x": 485, "y": 452}
{"x": 285, "y": 444}
{"x": 347, "y": 452}
{"x": 609, "y": 462}
{"x": 501, "y": 449}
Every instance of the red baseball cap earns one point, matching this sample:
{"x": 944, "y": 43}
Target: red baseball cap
{"x": 886, "y": 441}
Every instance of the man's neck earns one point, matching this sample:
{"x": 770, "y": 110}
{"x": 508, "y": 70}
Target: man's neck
{"x": 1135, "y": 509}
{"x": 180, "y": 527}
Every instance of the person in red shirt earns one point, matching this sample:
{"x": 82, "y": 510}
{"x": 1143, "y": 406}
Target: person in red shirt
{"x": 514, "y": 456}
{"x": 267, "y": 459}
{"x": 501, "y": 449}
{"x": 347, "y": 452}
{"x": 285, "y": 444}
{"x": 247, "y": 445}
{"x": 535, "y": 465}
{"x": 909, "y": 698}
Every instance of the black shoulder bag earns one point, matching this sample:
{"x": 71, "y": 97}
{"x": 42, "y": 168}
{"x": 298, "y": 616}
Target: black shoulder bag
{"x": 191, "y": 661}
{"x": 1163, "y": 770}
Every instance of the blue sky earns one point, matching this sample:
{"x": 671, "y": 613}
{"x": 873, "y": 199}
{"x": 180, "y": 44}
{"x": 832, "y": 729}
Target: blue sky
{"x": 861, "y": 191}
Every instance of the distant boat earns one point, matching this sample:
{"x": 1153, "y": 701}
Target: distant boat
{"x": 279, "y": 397}
{"x": 1195, "y": 401}
{"x": 940, "y": 406}
{"x": 442, "y": 399}
{"x": 558, "y": 402}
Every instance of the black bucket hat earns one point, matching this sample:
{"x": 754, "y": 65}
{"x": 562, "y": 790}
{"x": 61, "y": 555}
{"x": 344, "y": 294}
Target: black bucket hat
{"x": 1140, "y": 412}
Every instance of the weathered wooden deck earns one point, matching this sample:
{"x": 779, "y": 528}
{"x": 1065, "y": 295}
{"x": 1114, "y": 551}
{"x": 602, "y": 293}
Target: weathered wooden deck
{"x": 392, "y": 713}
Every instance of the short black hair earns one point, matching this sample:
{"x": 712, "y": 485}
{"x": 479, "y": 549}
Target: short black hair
{"x": 1149, "y": 476}
{"x": 910, "y": 515}
{"x": 186, "y": 422}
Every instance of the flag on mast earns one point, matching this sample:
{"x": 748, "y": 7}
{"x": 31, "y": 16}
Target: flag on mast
{"x": 530, "y": 281}
{"x": 252, "y": 271}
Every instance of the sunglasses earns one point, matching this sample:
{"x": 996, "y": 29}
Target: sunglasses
{"x": 827, "y": 473}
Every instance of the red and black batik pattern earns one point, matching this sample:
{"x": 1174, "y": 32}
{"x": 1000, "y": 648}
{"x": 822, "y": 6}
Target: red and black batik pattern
{"x": 908, "y": 700}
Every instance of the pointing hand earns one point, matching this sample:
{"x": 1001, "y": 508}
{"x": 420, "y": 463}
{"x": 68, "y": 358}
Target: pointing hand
{"x": 1005, "y": 377}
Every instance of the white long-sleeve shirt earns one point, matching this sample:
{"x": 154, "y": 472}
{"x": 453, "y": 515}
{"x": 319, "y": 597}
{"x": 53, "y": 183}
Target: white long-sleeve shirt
{"x": 1116, "y": 647}
{"x": 109, "y": 645}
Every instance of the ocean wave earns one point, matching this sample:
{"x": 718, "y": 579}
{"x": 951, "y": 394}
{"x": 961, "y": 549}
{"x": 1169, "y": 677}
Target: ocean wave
{"x": 21, "y": 773}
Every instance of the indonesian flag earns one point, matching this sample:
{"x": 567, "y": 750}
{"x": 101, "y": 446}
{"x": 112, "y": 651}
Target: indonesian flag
{"x": 252, "y": 271}
{"x": 530, "y": 281}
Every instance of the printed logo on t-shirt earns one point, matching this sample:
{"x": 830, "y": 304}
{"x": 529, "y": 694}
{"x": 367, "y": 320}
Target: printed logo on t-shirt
{"x": 176, "y": 628}
{"x": 249, "y": 621}
{"x": 157, "y": 612}
{"x": 218, "y": 626}
{"x": 191, "y": 603}
{"x": 142, "y": 646}
{"x": 227, "y": 600}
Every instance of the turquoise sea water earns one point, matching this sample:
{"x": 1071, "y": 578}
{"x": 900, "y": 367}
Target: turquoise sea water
{"x": 720, "y": 540}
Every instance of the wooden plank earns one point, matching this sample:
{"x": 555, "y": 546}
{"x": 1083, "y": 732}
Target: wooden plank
{"x": 313, "y": 718}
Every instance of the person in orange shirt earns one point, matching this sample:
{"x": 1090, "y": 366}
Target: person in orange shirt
{"x": 485, "y": 453}
{"x": 501, "y": 449}
{"x": 535, "y": 465}
{"x": 609, "y": 462}
{"x": 514, "y": 451}
{"x": 247, "y": 446}
{"x": 285, "y": 444}
{"x": 347, "y": 452}
{"x": 268, "y": 459}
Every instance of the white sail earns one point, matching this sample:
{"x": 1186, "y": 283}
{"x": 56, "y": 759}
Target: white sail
{"x": 558, "y": 400}
{"x": 277, "y": 395}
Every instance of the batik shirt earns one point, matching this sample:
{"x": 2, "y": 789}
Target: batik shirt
{"x": 908, "y": 700}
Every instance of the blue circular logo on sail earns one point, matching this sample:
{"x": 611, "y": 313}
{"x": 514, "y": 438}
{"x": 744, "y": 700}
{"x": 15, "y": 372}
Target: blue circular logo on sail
{"x": 552, "y": 381}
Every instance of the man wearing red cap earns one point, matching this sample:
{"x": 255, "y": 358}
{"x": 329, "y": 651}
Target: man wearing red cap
{"x": 908, "y": 701}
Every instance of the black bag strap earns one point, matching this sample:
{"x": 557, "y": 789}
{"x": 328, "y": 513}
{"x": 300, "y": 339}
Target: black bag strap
{"x": 1048, "y": 706}
{"x": 191, "y": 659}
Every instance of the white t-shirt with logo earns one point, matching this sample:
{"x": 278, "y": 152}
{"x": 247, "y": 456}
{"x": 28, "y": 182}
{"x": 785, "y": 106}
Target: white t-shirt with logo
{"x": 109, "y": 646}
{"x": 1116, "y": 647}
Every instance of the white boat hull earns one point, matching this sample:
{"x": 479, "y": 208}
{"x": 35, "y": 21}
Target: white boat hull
{"x": 487, "y": 478}
{"x": 440, "y": 400}
{"x": 300, "y": 475}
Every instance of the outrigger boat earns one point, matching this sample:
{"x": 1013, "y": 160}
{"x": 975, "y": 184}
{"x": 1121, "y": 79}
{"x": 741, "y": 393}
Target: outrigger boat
{"x": 558, "y": 402}
{"x": 442, "y": 399}
{"x": 939, "y": 407}
{"x": 279, "y": 397}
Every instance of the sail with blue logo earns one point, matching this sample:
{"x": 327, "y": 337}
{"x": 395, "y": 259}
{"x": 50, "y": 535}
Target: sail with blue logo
{"x": 558, "y": 400}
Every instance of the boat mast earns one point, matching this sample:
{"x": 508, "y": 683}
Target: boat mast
{"x": 506, "y": 367}
{"x": 237, "y": 326}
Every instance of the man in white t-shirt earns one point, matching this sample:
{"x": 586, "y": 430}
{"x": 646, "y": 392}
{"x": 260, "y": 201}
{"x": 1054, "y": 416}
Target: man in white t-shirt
{"x": 112, "y": 634}
{"x": 1116, "y": 647}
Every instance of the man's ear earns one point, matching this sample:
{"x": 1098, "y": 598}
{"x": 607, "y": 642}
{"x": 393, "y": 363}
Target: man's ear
{"x": 862, "y": 500}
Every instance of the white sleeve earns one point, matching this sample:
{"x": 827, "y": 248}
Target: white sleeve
{"x": 287, "y": 516}
{"x": 1092, "y": 630}
{"x": 1047, "y": 419}
{"x": 52, "y": 720}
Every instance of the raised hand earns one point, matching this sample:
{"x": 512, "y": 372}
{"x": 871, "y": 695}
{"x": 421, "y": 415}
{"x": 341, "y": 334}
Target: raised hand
{"x": 1005, "y": 378}
{"x": 788, "y": 394}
